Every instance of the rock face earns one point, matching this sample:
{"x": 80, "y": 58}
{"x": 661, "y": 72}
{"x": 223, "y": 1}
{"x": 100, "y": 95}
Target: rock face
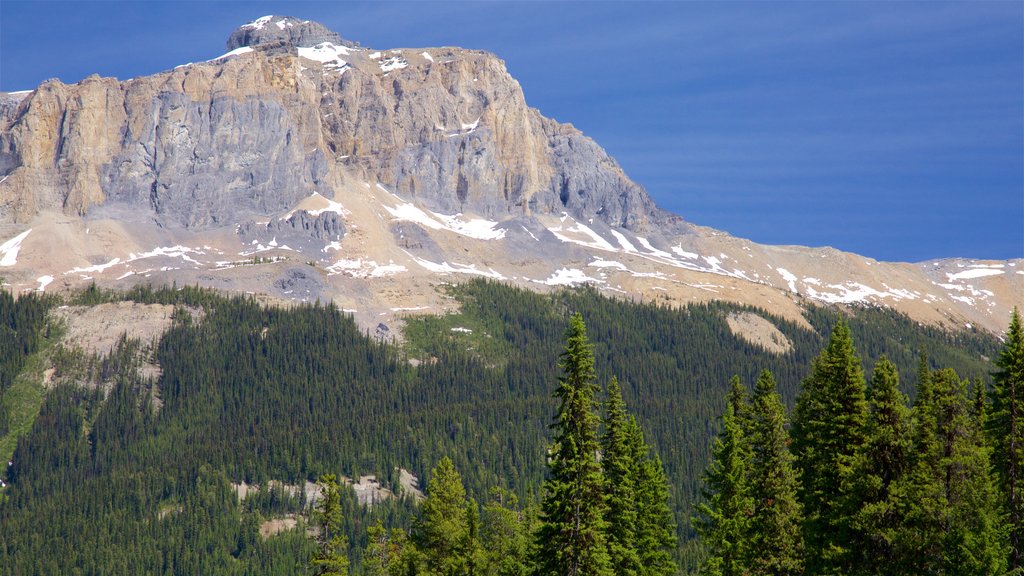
{"x": 204, "y": 145}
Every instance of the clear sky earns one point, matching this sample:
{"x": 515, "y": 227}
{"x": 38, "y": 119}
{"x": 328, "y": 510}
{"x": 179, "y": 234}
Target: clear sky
{"x": 894, "y": 130}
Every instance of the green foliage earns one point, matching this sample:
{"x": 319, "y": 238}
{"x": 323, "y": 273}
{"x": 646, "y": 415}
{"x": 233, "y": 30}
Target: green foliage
{"x": 443, "y": 532}
{"x": 331, "y": 558}
{"x": 620, "y": 466}
{"x": 882, "y": 462}
{"x": 505, "y": 535}
{"x": 1005, "y": 427}
{"x": 572, "y": 536}
{"x": 775, "y": 541}
{"x": 828, "y": 431}
{"x": 257, "y": 394}
{"x": 724, "y": 521}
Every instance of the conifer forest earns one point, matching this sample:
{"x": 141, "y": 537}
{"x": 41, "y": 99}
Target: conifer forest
{"x": 551, "y": 434}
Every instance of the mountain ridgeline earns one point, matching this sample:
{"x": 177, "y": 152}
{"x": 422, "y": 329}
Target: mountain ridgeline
{"x": 368, "y": 177}
{"x": 127, "y": 470}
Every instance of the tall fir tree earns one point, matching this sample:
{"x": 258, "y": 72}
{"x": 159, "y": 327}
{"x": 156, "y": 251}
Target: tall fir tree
{"x": 724, "y": 516}
{"x": 571, "y": 539}
{"x": 1005, "y": 424}
{"x": 655, "y": 530}
{"x": 775, "y": 541}
{"x": 331, "y": 556}
{"x": 828, "y": 432}
{"x": 443, "y": 531}
{"x": 883, "y": 460}
{"x": 620, "y": 466}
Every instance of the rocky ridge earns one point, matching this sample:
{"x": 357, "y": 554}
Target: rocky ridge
{"x": 368, "y": 177}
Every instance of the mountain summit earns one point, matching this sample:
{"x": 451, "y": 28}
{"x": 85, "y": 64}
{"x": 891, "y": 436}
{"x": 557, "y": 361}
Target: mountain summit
{"x": 284, "y": 29}
{"x": 303, "y": 166}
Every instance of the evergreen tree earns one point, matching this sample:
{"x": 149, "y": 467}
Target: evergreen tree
{"x": 724, "y": 521}
{"x": 331, "y": 557}
{"x": 655, "y": 531}
{"x": 828, "y": 432}
{"x": 620, "y": 465}
{"x": 571, "y": 538}
{"x": 949, "y": 503}
{"x": 386, "y": 553}
{"x": 775, "y": 542}
{"x": 504, "y": 535}
{"x": 443, "y": 533}
{"x": 1005, "y": 425}
{"x": 883, "y": 460}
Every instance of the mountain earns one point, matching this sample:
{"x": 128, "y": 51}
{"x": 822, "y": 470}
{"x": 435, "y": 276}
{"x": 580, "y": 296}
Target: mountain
{"x": 301, "y": 165}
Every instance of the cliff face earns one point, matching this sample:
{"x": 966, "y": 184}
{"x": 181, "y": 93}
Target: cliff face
{"x": 206, "y": 144}
{"x": 302, "y": 166}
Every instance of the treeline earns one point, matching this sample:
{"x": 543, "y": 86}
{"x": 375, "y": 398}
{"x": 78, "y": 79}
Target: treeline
{"x": 864, "y": 482}
{"x": 604, "y": 509}
{"x": 22, "y": 327}
{"x": 128, "y": 473}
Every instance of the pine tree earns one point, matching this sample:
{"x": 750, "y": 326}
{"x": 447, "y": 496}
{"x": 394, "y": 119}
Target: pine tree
{"x": 883, "y": 460}
{"x": 828, "y": 432}
{"x": 620, "y": 467}
{"x": 331, "y": 557}
{"x": 724, "y": 517}
{"x": 1005, "y": 425}
{"x": 775, "y": 541}
{"x": 443, "y": 531}
{"x": 571, "y": 538}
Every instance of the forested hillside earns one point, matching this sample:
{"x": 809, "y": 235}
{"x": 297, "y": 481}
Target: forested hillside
{"x": 123, "y": 473}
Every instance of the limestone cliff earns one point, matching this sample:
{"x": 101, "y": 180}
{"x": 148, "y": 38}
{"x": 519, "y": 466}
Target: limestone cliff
{"x": 209, "y": 144}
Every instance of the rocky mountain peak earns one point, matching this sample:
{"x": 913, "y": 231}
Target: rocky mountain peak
{"x": 285, "y": 29}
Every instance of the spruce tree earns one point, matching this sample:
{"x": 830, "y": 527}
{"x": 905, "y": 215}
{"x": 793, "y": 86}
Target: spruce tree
{"x": 828, "y": 432}
{"x": 883, "y": 461}
{"x": 620, "y": 466}
{"x": 951, "y": 521}
{"x": 655, "y": 530}
{"x": 443, "y": 531}
{"x": 504, "y": 535}
{"x": 1005, "y": 425}
{"x": 331, "y": 556}
{"x": 724, "y": 516}
{"x": 775, "y": 541}
{"x": 571, "y": 538}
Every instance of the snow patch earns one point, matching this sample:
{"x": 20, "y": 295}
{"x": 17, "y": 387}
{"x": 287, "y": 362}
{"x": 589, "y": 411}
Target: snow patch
{"x": 259, "y": 23}
{"x": 623, "y": 241}
{"x": 595, "y": 240}
{"x": 328, "y": 55}
{"x": 44, "y": 281}
{"x": 365, "y": 268}
{"x": 788, "y": 277}
{"x": 972, "y": 273}
{"x": 393, "y": 63}
{"x": 472, "y": 228}
{"x": 427, "y": 56}
{"x": 235, "y": 52}
{"x": 455, "y": 268}
{"x": 9, "y": 250}
{"x": 568, "y": 277}
{"x": 96, "y": 268}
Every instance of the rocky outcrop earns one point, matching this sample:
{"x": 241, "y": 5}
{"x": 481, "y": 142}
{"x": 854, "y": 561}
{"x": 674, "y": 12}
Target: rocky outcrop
{"x": 287, "y": 29}
{"x": 212, "y": 144}
{"x": 301, "y": 231}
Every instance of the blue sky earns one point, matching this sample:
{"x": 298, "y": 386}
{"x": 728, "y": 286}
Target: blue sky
{"x": 894, "y": 130}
